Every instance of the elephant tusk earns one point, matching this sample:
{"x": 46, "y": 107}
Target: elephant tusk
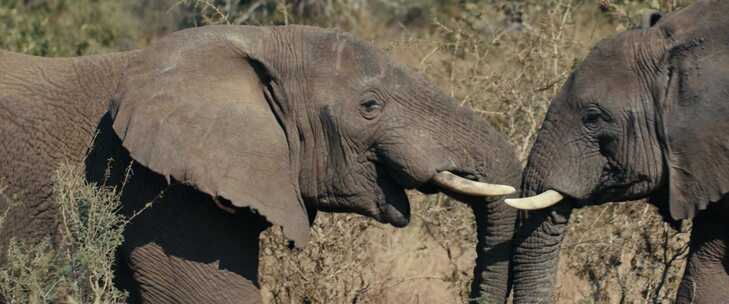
{"x": 546, "y": 199}
{"x": 468, "y": 187}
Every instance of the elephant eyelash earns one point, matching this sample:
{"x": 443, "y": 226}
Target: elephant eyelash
{"x": 371, "y": 108}
{"x": 372, "y": 104}
{"x": 591, "y": 117}
{"x": 594, "y": 114}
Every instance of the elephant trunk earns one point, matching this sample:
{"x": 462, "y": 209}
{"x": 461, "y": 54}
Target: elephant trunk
{"x": 536, "y": 254}
{"x": 493, "y": 160}
{"x": 549, "y": 185}
{"x": 495, "y": 223}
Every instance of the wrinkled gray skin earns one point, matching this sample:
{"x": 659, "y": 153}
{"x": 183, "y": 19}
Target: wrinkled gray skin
{"x": 283, "y": 121}
{"x": 644, "y": 116}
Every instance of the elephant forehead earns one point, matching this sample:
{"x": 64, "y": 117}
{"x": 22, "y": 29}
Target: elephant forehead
{"x": 595, "y": 86}
{"x": 340, "y": 55}
{"x": 605, "y": 78}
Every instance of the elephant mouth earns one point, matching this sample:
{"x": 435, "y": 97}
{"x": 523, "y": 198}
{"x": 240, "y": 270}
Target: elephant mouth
{"x": 395, "y": 212}
{"x": 392, "y": 204}
{"x": 395, "y": 207}
{"x": 610, "y": 188}
{"x": 619, "y": 191}
{"x": 550, "y": 198}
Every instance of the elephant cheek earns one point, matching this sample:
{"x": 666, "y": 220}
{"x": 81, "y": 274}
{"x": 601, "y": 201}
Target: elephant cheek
{"x": 369, "y": 190}
{"x": 385, "y": 201}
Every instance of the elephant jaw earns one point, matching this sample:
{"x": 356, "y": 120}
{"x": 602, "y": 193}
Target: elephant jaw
{"x": 553, "y": 197}
{"x": 395, "y": 213}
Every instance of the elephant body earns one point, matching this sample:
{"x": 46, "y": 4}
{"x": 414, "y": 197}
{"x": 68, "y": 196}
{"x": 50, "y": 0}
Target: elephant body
{"x": 643, "y": 117}
{"x": 181, "y": 246}
{"x": 227, "y": 130}
{"x": 48, "y": 114}
{"x": 706, "y": 278}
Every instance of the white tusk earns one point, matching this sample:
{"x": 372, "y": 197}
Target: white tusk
{"x": 546, "y": 199}
{"x": 468, "y": 187}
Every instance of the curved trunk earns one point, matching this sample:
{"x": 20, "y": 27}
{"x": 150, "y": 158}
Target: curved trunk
{"x": 538, "y": 240}
{"x": 536, "y": 254}
{"x": 495, "y": 224}
{"x": 493, "y": 160}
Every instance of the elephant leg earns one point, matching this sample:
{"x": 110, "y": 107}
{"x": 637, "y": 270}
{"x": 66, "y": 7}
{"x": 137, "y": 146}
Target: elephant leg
{"x": 706, "y": 278}
{"x": 184, "y": 249}
{"x": 165, "y": 278}
{"x": 181, "y": 248}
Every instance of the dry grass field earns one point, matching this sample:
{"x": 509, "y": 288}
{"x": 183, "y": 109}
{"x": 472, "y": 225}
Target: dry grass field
{"x": 504, "y": 58}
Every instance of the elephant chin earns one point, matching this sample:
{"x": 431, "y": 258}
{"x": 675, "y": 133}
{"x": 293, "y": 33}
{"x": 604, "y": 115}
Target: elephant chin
{"x": 396, "y": 213}
{"x": 391, "y": 201}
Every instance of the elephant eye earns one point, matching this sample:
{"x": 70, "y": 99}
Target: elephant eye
{"x": 592, "y": 116}
{"x": 371, "y": 108}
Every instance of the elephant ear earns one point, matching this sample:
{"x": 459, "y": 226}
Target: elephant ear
{"x": 695, "y": 104}
{"x": 198, "y": 107}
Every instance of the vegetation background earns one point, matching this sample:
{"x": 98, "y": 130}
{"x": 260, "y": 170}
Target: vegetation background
{"x": 505, "y": 58}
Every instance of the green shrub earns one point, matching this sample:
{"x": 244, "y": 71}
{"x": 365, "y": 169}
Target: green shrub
{"x": 66, "y": 27}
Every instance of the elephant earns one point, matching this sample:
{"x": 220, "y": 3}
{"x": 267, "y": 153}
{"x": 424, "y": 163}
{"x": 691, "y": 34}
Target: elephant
{"x": 227, "y": 130}
{"x": 642, "y": 117}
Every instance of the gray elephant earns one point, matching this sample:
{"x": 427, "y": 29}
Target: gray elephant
{"x": 644, "y": 116}
{"x": 228, "y": 130}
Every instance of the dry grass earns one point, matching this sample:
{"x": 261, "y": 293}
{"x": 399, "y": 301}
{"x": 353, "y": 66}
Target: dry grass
{"x": 622, "y": 253}
{"x": 80, "y": 269}
{"x": 506, "y": 59}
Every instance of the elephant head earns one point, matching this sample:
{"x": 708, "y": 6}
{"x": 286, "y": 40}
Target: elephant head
{"x": 644, "y": 116}
{"x": 289, "y": 120}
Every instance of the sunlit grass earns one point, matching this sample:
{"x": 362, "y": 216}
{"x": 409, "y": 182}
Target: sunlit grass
{"x": 80, "y": 268}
